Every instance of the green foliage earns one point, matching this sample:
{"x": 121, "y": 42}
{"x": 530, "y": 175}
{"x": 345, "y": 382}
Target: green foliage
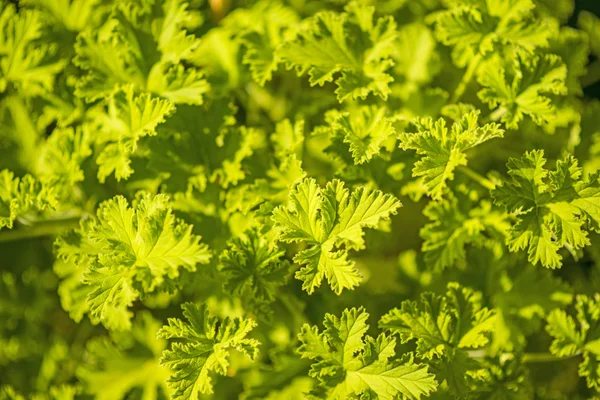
{"x": 473, "y": 28}
{"x": 129, "y": 251}
{"x": 127, "y": 119}
{"x": 459, "y": 222}
{"x": 22, "y": 195}
{"x": 579, "y": 335}
{"x": 252, "y": 267}
{"x": 442, "y": 151}
{"x": 204, "y": 345}
{"x": 327, "y": 219}
{"x": 141, "y": 44}
{"x": 354, "y": 44}
{"x": 551, "y": 208}
{"x": 523, "y": 88}
{"x": 117, "y": 365}
{"x": 444, "y": 328}
{"x": 268, "y": 166}
{"x": 351, "y": 364}
{"x": 28, "y": 64}
{"x": 364, "y": 131}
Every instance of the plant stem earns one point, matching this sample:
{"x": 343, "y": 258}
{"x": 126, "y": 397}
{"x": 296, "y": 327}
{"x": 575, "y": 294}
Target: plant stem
{"x": 593, "y": 74}
{"x": 466, "y": 79}
{"x": 497, "y": 114}
{"x": 526, "y": 357}
{"x": 28, "y": 134}
{"x": 483, "y": 181}
{"x": 544, "y": 357}
{"x": 49, "y": 227}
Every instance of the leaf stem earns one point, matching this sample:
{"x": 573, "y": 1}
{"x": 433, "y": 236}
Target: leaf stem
{"x": 49, "y": 227}
{"x": 536, "y": 357}
{"x": 497, "y": 114}
{"x": 28, "y": 134}
{"x": 593, "y": 74}
{"x": 544, "y": 357}
{"x": 466, "y": 79}
{"x": 483, "y": 181}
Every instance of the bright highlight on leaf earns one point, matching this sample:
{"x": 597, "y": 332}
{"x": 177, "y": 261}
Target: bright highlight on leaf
{"x": 327, "y": 219}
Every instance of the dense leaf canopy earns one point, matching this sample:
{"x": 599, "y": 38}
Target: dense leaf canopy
{"x": 299, "y": 199}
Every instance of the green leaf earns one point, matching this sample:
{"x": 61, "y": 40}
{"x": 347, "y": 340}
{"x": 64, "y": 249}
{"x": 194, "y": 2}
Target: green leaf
{"x": 550, "y": 207}
{"x": 75, "y": 252}
{"x": 590, "y": 24}
{"x": 108, "y": 61}
{"x": 178, "y": 84}
{"x": 523, "y": 88}
{"x": 416, "y": 59}
{"x": 286, "y": 377}
{"x": 474, "y": 27}
{"x": 350, "y": 364}
{"x": 364, "y": 130}
{"x": 116, "y": 366}
{"x": 444, "y": 327}
{"x": 520, "y": 310}
{"x": 198, "y": 145}
{"x": 503, "y": 378}
{"x": 330, "y": 221}
{"x": 62, "y": 156}
{"x": 19, "y": 196}
{"x": 579, "y": 335}
{"x": 148, "y": 237}
{"x": 141, "y": 45}
{"x": 127, "y": 119}
{"x": 133, "y": 251}
{"x": 218, "y": 55}
{"x": 441, "y": 324}
{"x": 288, "y": 139}
{"x": 573, "y": 48}
{"x": 204, "y": 345}
{"x": 28, "y": 63}
{"x": 73, "y": 15}
{"x": 110, "y": 296}
{"x": 252, "y": 266}
{"x": 351, "y": 45}
{"x": 440, "y": 151}
{"x": 8, "y": 392}
{"x": 262, "y": 29}
{"x": 458, "y": 222}
{"x": 567, "y": 339}
{"x": 561, "y": 9}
